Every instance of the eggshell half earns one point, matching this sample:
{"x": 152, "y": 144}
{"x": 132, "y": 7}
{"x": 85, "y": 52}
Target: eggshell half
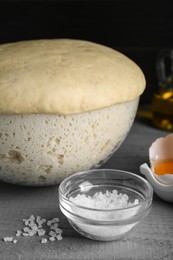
{"x": 162, "y": 148}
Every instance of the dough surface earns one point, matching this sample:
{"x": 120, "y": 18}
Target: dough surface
{"x": 65, "y": 76}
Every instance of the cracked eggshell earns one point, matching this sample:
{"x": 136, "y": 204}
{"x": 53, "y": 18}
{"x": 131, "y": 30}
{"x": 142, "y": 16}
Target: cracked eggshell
{"x": 162, "y": 149}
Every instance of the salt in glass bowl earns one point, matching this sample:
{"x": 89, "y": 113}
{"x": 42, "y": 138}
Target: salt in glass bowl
{"x": 105, "y": 224}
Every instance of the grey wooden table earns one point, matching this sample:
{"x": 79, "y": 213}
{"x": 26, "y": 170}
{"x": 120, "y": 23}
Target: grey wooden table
{"x": 152, "y": 238}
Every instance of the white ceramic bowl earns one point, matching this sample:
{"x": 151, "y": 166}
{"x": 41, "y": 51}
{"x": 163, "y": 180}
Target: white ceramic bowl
{"x": 163, "y": 189}
{"x": 40, "y": 149}
{"x": 104, "y": 223}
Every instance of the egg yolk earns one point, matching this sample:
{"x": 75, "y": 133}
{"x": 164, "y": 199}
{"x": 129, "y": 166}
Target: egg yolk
{"x": 163, "y": 166}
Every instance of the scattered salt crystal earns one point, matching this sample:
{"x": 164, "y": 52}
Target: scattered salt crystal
{"x": 51, "y": 233}
{"x": 32, "y": 233}
{"x": 52, "y": 238}
{"x": 52, "y": 221}
{"x": 58, "y": 231}
{"x": 8, "y": 239}
{"x": 34, "y": 225}
{"x": 54, "y": 226}
{"x": 40, "y": 226}
{"x": 38, "y": 218}
{"x": 55, "y": 220}
{"x": 44, "y": 240}
{"x": 18, "y": 233}
{"x": 26, "y": 222}
{"x": 49, "y": 223}
{"x": 41, "y": 232}
{"x": 32, "y": 217}
{"x": 26, "y": 229}
{"x": 25, "y": 234}
{"x": 59, "y": 237}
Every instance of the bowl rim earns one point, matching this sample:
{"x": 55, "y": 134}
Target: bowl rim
{"x": 147, "y": 200}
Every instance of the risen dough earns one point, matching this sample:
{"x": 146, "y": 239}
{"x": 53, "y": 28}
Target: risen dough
{"x": 65, "y": 76}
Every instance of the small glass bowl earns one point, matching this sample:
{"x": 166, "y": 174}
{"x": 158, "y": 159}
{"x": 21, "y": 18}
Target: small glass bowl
{"x": 105, "y": 224}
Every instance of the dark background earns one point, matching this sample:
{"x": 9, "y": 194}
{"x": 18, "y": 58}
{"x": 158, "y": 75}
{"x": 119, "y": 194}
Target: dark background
{"x": 141, "y": 29}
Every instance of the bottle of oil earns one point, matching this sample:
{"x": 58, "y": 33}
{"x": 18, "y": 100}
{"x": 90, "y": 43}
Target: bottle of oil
{"x": 162, "y": 103}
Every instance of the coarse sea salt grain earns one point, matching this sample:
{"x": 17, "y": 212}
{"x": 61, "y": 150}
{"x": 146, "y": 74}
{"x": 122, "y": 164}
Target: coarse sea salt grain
{"x": 44, "y": 240}
{"x": 107, "y": 200}
{"x": 37, "y": 226}
{"x": 8, "y": 239}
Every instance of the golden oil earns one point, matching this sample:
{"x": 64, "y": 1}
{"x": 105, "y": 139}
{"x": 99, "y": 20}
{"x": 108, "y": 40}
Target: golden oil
{"x": 162, "y": 103}
{"x": 162, "y": 109}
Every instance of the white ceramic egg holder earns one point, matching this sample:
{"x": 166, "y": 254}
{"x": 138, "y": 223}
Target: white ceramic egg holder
{"x": 162, "y": 148}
